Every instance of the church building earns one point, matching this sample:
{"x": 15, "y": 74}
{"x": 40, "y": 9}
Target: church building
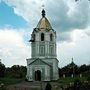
{"x": 43, "y": 64}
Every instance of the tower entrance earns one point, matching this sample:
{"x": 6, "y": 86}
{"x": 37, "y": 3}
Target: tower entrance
{"x": 38, "y": 75}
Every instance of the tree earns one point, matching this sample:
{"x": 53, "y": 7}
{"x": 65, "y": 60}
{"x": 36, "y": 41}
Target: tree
{"x": 70, "y": 69}
{"x": 2, "y": 70}
{"x": 23, "y": 71}
{"x": 83, "y": 68}
{"x": 18, "y": 71}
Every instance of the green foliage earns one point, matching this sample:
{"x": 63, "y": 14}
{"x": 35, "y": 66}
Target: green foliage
{"x": 2, "y": 70}
{"x": 69, "y": 69}
{"x": 18, "y": 71}
{"x": 77, "y": 82}
{"x": 88, "y": 78}
{"x": 68, "y": 80}
{"x": 83, "y": 68}
{"x": 72, "y": 68}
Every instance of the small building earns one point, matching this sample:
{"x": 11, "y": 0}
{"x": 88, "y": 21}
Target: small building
{"x": 43, "y": 64}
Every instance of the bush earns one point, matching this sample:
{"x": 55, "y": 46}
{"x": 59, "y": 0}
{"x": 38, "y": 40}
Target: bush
{"x": 88, "y": 78}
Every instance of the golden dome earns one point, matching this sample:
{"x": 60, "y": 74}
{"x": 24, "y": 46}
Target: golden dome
{"x": 44, "y": 23}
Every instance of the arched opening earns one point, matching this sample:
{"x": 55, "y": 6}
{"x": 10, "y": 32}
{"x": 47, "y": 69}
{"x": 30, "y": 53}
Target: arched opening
{"x": 42, "y": 36}
{"x": 38, "y": 75}
{"x": 51, "y": 37}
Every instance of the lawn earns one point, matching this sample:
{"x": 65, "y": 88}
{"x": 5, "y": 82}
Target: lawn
{"x": 68, "y": 80}
{"x": 10, "y": 81}
{"x": 61, "y": 81}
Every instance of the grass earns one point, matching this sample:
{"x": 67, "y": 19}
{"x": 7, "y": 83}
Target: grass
{"x": 10, "y": 81}
{"x": 66, "y": 81}
{"x": 62, "y": 81}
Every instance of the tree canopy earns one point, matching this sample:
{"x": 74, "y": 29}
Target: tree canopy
{"x": 2, "y": 70}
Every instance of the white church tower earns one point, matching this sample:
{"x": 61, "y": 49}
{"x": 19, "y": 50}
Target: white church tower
{"x": 43, "y": 64}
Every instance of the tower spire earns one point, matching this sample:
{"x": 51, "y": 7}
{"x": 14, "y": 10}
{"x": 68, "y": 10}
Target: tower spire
{"x": 72, "y": 59}
{"x": 43, "y": 13}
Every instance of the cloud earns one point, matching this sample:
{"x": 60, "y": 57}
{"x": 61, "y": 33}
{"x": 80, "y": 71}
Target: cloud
{"x": 87, "y": 31}
{"x": 13, "y": 49}
{"x": 64, "y": 37}
{"x": 79, "y": 49}
{"x": 69, "y": 19}
{"x": 64, "y": 15}
{"x": 28, "y": 9}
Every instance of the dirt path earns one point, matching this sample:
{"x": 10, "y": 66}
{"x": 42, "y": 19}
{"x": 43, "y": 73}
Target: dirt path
{"x": 32, "y": 86}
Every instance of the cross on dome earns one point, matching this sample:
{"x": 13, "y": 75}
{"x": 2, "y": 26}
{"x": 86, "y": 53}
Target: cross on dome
{"x": 43, "y": 13}
{"x": 44, "y": 23}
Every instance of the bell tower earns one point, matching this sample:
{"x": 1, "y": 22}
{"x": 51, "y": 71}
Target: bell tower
{"x": 43, "y": 52}
{"x": 43, "y": 41}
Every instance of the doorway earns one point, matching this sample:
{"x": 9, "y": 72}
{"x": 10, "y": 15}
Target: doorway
{"x": 38, "y": 75}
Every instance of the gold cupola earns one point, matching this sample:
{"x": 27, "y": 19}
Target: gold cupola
{"x": 44, "y": 23}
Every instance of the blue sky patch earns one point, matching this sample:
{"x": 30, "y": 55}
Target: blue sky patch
{"x": 9, "y": 18}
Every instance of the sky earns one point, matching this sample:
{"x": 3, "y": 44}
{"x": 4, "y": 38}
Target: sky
{"x": 70, "y": 20}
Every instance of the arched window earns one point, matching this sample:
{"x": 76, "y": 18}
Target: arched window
{"x": 51, "y": 50}
{"x": 42, "y": 50}
{"x": 42, "y": 36}
{"x": 51, "y": 37}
